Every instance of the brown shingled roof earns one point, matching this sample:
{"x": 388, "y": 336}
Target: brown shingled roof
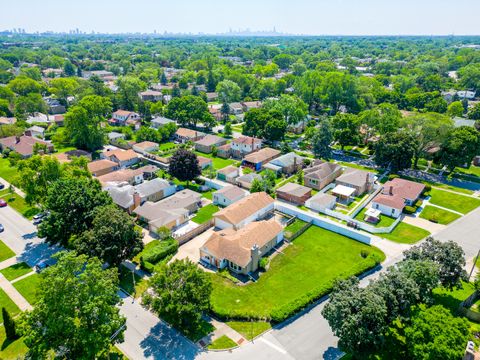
{"x": 244, "y": 208}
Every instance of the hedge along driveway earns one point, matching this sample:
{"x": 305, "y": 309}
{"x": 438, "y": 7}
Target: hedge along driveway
{"x": 303, "y": 273}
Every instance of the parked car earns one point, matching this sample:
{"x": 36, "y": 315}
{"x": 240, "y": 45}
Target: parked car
{"x": 2, "y": 186}
{"x": 1, "y": 228}
{"x": 37, "y": 221}
{"x": 42, "y": 265}
{"x": 40, "y": 216}
{"x": 3, "y": 203}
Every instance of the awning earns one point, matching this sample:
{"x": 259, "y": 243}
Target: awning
{"x": 344, "y": 191}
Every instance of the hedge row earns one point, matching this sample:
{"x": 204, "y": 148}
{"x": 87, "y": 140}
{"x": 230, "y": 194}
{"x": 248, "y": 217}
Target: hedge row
{"x": 283, "y": 312}
{"x": 159, "y": 252}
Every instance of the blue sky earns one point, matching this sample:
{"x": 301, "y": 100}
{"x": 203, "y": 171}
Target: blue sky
{"x": 316, "y": 17}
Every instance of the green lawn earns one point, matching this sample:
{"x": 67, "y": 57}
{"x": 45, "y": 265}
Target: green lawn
{"x": 205, "y": 213}
{"x": 11, "y": 350}
{"x": 15, "y": 271}
{"x": 385, "y": 221}
{"x": 223, "y": 342}
{"x": 167, "y": 146}
{"x": 18, "y": 203}
{"x": 125, "y": 278}
{"x": 460, "y": 203}
{"x": 406, "y": 234}
{"x": 6, "y": 171}
{"x": 472, "y": 170}
{"x": 294, "y": 227}
{"x": 8, "y": 304}
{"x": 28, "y": 287}
{"x": 249, "y": 329}
{"x": 437, "y": 215}
{"x": 5, "y": 252}
{"x": 304, "y": 271}
{"x": 452, "y": 299}
{"x": 218, "y": 163}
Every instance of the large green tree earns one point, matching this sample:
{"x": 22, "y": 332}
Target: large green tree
{"x": 180, "y": 294}
{"x": 228, "y": 91}
{"x": 459, "y": 148}
{"x": 71, "y": 202}
{"x": 76, "y": 313}
{"x": 112, "y": 238}
{"x": 321, "y": 140}
{"x": 184, "y": 165}
{"x": 189, "y": 110}
{"x": 346, "y": 129}
{"x": 395, "y": 150}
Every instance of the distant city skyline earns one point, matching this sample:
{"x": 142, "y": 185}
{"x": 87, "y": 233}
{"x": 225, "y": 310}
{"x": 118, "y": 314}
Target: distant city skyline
{"x": 308, "y": 17}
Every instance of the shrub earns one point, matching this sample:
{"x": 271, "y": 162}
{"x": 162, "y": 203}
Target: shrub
{"x": 263, "y": 263}
{"x": 364, "y": 253}
{"x": 409, "y": 210}
{"x": 426, "y": 194}
{"x": 393, "y": 176}
{"x": 428, "y": 188}
{"x": 161, "y": 251}
{"x": 146, "y": 266}
{"x": 418, "y": 203}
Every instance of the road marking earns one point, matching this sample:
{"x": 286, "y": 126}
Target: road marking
{"x": 273, "y": 346}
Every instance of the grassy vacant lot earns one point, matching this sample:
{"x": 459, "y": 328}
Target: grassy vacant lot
{"x": 5, "y": 252}
{"x": 10, "y": 350}
{"x": 223, "y": 342}
{"x": 16, "y": 270}
{"x": 406, "y": 234}
{"x": 28, "y": 287}
{"x": 18, "y": 203}
{"x": 249, "y": 329}
{"x": 6, "y": 171}
{"x": 304, "y": 271}
{"x": 205, "y": 213}
{"x": 218, "y": 163}
{"x": 440, "y": 216}
{"x": 385, "y": 221}
{"x": 460, "y": 203}
{"x": 8, "y": 304}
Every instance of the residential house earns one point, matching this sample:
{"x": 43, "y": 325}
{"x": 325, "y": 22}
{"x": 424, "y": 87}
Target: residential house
{"x": 129, "y": 197}
{"x": 161, "y": 121}
{"x": 204, "y": 162}
{"x": 297, "y": 128}
{"x": 321, "y": 201}
{"x": 115, "y": 137}
{"x": 362, "y": 181}
{"x": 35, "y": 131}
{"x": 256, "y": 160}
{"x": 170, "y": 212}
{"x": 206, "y": 144}
{"x": 228, "y": 195}
{"x": 212, "y": 96}
{"x": 224, "y": 151}
{"x": 102, "y": 74}
{"x": 145, "y": 147}
{"x": 228, "y": 174}
{"x": 150, "y": 95}
{"x": 7, "y": 120}
{"x": 184, "y": 135}
{"x": 54, "y": 106}
{"x": 39, "y": 118}
{"x": 125, "y": 118}
{"x": 59, "y": 119}
{"x": 102, "y": 167}
{"x": 395, "y": 195}
{"x": 249, "y": 105}
{"x": 465, "y": 94}
{"x": 245, "y": 145}
{"x": 68, "y": 156}
{"x": 288, "y": 164}
{"x": 241, "y": 250}
{"x": 123, "y": 175}
{"x": 25, "y": 145}
{"x": 245, "y": 181}
{"x": 256, "y": 206}
{"x": 124, "y": 158}
{"x": 321, "y": 174}
{"x": 294, "y": 193}
{"x": 476, "y": 160}
{"x": 458, "y": 121}
{"x": 236, "y": 108}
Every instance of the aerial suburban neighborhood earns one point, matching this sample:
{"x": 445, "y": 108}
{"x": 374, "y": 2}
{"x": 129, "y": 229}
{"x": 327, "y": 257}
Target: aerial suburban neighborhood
{"x": 243, "y": 195}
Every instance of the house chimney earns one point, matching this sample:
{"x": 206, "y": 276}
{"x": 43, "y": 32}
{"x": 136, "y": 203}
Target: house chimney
{"x": 255, "y": 256}
{"x": 390, "y": 190}
{"x": 136, "y": 200}
{"x": 17, "y": 139}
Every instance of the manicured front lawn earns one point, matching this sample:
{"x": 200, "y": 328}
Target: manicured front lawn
{"x": 460, "y": 203}
{"x": 303, "y": 272}
{"x": 437, "y": 215}
{"x": 9, "y": 349}
{"x": 223, "y": 342}
{"x": 18, "y": 203}
{"x": 205, "y": 213}
{"x": 385, "y": 221}
{"x": 405, "y": 234}
{"x": 167, "y": 146}
{"x": 7, "y": 172}
{"x": 8, "y": 304}
{"x": 5, "y": 252}
{"x": 28, "y": 287}
{"x": 16, "y": 270}
{"x": 249, "y": 329}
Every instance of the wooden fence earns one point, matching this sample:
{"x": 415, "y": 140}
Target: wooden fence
{"x": 182, "y": 239}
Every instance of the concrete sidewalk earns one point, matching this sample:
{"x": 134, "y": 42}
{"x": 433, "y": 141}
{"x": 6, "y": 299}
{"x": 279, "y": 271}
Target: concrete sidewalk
{"x": 221, "y": 329}
{"x": 13, "y": 294}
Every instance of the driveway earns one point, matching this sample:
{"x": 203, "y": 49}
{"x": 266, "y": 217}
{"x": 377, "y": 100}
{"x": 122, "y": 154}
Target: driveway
{"x": 190, "y": 249}
{"x": 424, "y": 224}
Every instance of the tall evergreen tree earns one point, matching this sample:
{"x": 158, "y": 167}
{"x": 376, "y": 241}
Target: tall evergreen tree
{"x": 9, "y": 324}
